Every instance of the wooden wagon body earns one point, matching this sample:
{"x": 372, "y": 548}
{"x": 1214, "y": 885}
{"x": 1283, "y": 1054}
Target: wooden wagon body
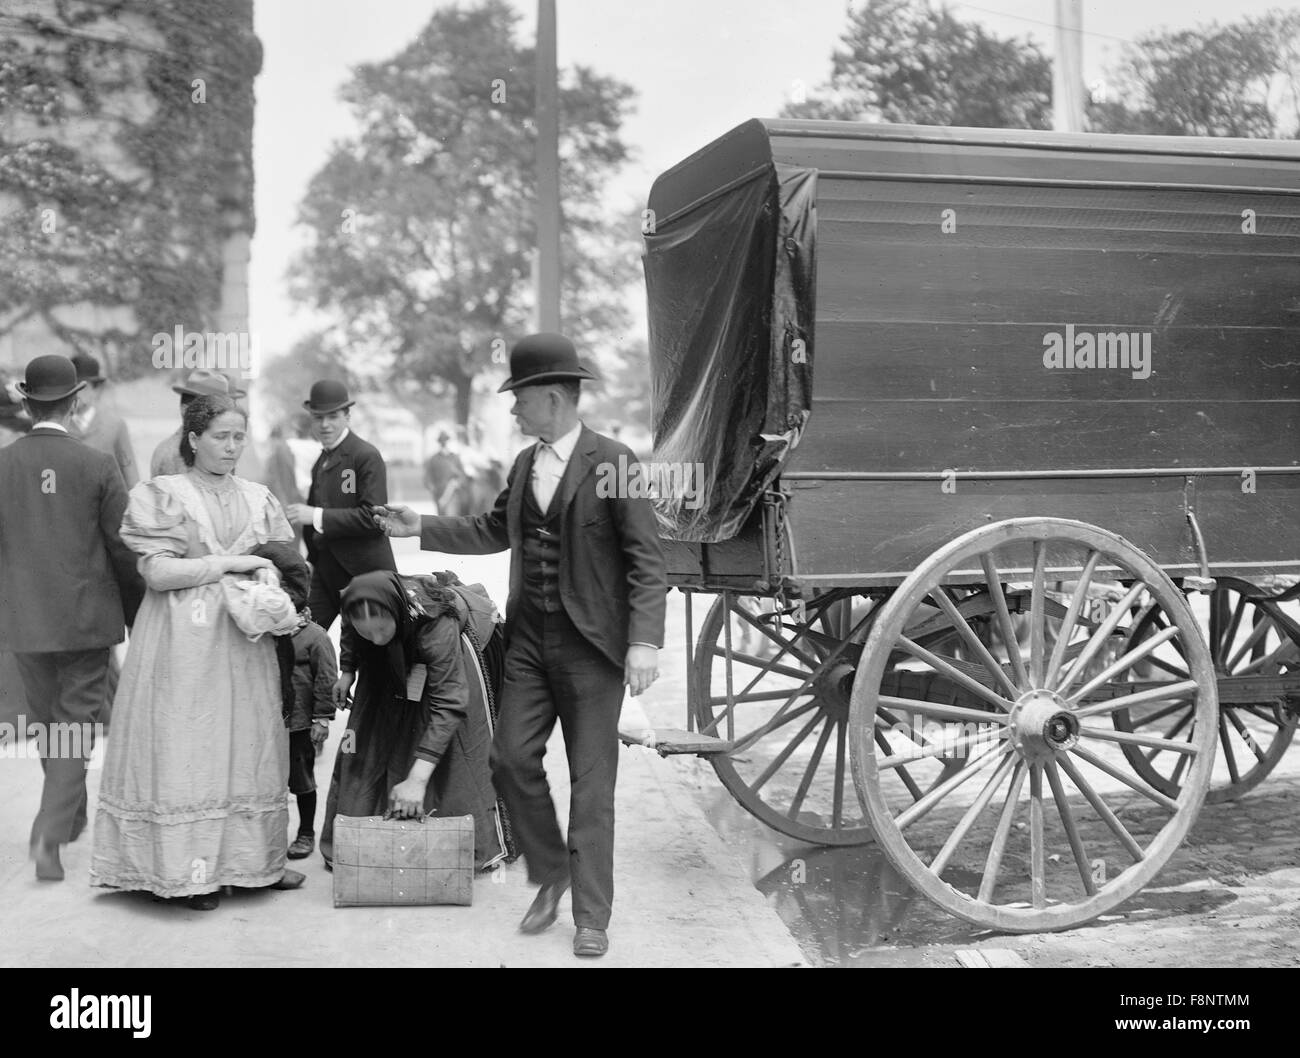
{"x": 994, "y": 441}
{"x": 943, "y": 265}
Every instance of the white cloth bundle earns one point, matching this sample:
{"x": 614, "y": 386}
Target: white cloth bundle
{"x": 258, "y": 606}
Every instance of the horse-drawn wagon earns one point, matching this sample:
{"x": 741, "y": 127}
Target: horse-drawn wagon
{"x": 999, "y": 509}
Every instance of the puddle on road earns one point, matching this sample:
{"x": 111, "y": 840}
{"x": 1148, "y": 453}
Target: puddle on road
{"x": 848, "y": 906}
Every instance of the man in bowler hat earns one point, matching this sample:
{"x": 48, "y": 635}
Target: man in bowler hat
{"x": 100, "y": 426}
{"x": 67, "y": 586}
{"x": 348, "y": 480}
{"x": 201, "y": 382}
{"x": 585, "y": 616}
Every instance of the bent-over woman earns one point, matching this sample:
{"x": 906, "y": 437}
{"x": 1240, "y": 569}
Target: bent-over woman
{"x": 421, "y": 724}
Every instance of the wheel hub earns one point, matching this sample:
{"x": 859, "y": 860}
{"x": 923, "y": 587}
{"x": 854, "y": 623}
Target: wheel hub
{"x": 1041, "y": 725}
{"x": 834, "y": 689}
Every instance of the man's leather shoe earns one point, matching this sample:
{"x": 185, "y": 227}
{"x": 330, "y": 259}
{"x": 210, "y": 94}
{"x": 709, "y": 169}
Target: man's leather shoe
{"x": 542, "y": 912}
{"x": 48, "y": 866}
{"x": 589, "y": 941}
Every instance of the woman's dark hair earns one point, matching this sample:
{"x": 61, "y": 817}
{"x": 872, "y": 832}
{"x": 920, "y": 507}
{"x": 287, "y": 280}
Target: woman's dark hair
{"x": 198, "y": 416}
{"x": 358, "y": 605}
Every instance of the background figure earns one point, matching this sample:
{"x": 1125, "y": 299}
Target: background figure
{"x": 308, "y": 672}
{"x": 200, "y": 383}
{"x": 100, "y": 426}
{"x": 67, "y": 586}
{"x": 281, "y": 478}
{"x": 347, "y": 481}
{"x": 445, "y": 478}
{"x": 192, "y": 796}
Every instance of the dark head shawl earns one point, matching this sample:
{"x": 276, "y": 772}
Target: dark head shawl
{"x": 411, "y": 602}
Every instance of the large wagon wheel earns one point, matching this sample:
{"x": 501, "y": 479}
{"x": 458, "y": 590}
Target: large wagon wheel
{"x": 789, "y": 681}
{"x": 1040, "y": 726}
{"x": 1244, "y": 640}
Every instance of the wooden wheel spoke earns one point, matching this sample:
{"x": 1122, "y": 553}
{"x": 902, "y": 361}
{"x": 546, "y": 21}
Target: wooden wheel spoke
{"x": 1167, "y": 803}
{"x": 937, "y": 793}
{"x": 1098, "y": 638}
{"x": 1170, "y": 667}
{"x": 1102, "y": 809}
{"x": 748, "y": 698}
{"x": 1037, "y": 859}
{"x": 787, "y": 646}
{"x": 1177, "y": 775}
{"x": 1244, "y": 733}
{"x": 963, "y": 629}
{"x": 958, "y": 835}
{"x": 1260, "y": 631}
{"x": 1152, "y": 694}
{"x": 1159, "y": 714}
{"x": 1229, "y": 757}
{"x": 764, "y": 667}
{"x": 784, "y": 755}
{"x": 804, "y": 783}
{"x": 1003, "y": 620}
{"x": 955, "y": 675}
{"x": 1071, "y": 830}
{"x": 1123, "y": 663}
{"x": 1225, "y": 643}
{"x": 903, "y": 773}
{"x": 1071, "y": 618}
{"x": 779, "y": 720}
{"x": 956, "y": 747}
{"x": 1038, "y": 615}
{"x": 837, "y": 797}
{"x": 1259, "y": 714}
{"x": 998, "y": 845}
{"x": 1188, "y": 718}
{"x": 943, "y": 711}
{"x": 1267, "y": 660}
{"x": 1150, "y": 741}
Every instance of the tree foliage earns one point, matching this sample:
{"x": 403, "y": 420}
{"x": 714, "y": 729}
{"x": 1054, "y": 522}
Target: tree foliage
{"x": 421, "y": 228}
{"x": 918, "y": 63}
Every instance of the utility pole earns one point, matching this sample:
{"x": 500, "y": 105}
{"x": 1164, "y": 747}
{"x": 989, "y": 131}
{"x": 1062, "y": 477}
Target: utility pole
{"x": 548, "y": 172}
{"x": 1067, "y": 70}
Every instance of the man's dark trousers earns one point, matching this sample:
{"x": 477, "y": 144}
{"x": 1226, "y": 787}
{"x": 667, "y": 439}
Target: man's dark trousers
{"x": 552, "y": 672}
{"x": 327, "y": 583}
{"x": 64, "y": 687}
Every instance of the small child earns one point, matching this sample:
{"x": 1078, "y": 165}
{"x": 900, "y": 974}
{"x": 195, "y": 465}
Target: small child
{"x": 308, "y": 670}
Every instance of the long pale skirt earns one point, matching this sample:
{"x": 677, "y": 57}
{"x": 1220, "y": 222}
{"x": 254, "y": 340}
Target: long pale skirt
{"x": 193, "y": 795}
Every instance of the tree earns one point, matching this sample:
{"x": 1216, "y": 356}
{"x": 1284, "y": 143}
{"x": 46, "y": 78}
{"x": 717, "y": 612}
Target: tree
{"x": 1242, "y": 79}
{"x": 910, "y": 61}
{"x": 421, "y": 228}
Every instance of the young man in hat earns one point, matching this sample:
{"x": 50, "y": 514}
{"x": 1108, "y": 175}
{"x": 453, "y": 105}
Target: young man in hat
{"x": 347, "y": 481}
{"x": 99, "y": 426}
{"x": 585, "y": 616}
{"x": 67, "y": 586}
{"x": 201, "y": 382}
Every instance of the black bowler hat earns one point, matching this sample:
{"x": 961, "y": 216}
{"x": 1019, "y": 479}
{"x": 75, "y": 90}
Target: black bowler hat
{"x": 87, "y": 369}
{"x": 50, "y": 378}
{"x": 327, "y": 396}
{"x": 541, "y": 358}
{"x": 203, "y": 382}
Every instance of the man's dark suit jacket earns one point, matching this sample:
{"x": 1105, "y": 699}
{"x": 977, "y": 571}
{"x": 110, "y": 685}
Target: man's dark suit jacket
{"x": 612, "y": 580}
{"x": 350, "y": 534}
{"x": 67, "y": 582}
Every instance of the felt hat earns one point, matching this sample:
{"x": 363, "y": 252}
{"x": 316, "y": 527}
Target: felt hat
{"x": 87, "y": 369}
{"x": 326, "y": 396}
{"x": 204, "y": 382}
{"x": 50, "y": 378}
{"x": 541, "y": 358}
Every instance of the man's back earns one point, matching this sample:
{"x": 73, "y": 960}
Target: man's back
{"x": 61, "y": 558}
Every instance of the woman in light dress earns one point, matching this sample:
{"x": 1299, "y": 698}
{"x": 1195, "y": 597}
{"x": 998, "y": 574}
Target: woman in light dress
{"x": 193, "y": 791}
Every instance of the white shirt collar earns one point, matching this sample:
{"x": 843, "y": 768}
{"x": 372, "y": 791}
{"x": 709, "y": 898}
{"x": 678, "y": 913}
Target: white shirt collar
{"x": 563, "y": 446}
{"x": 50, "y": 426}
{"x": 342, "y": 437}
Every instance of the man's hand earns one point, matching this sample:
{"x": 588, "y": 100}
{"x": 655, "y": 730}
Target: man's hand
{"x": 395, "y": 520}
{"x": 641, "y": 668}
{"x": 407, "y": 799}
{"x": 320, "y": 730}
{"x": 342, "y": 688}
{"x": 299, "y": 514}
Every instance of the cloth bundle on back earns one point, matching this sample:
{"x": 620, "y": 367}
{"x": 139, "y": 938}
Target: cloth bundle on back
{"x": 423, "y": 695}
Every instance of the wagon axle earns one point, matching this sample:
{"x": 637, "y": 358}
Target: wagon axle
{"x": 1041, "y": 724}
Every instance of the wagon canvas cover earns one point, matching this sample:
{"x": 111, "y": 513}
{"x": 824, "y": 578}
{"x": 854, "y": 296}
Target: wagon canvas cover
{"x": 730, "y": 280}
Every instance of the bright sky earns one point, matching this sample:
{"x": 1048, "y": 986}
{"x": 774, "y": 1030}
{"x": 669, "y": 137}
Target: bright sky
{"x": 700, "y": 67}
